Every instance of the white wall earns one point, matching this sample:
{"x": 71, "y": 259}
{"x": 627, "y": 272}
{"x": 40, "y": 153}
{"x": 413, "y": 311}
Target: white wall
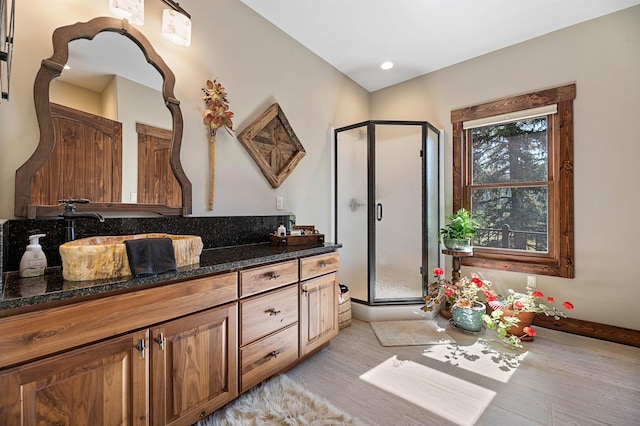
{"x": 75, "y": 97}
{"x": 257, "y": 63}
{"x": 603, "y": 58}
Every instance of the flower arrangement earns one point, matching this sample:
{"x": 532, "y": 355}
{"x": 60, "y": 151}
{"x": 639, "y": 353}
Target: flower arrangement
{"x": 461, "y": 293}
{"x": 217, "y": 114}
{"x": 506, "y": 310}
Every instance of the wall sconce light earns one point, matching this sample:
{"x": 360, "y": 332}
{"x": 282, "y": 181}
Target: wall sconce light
{"x": 131, "y": 10}
{"x": 176, "y": 24}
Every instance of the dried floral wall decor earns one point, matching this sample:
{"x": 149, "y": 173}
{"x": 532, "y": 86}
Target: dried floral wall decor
{"x": 216, "y": 115}
{"x": 273, "y": 145}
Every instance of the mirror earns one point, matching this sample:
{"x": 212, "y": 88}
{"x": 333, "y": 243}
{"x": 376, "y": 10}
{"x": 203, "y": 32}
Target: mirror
{"x": 125, "y": 119}
{"x": 109, "y": 77}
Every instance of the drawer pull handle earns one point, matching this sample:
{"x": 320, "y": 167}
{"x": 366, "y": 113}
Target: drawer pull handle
{"x": 304, "y": 290}
{"x": 274, "y": 354}
{"x": 273, "y": 276}
{"x": 323, "y": 264}
{"x": 273, "y": 311}
{"x": 202, "y": 414}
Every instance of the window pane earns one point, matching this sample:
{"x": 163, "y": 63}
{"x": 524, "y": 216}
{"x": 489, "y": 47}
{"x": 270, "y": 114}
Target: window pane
{"x": 510, "y": 152}
{"x": 511, "y": 217}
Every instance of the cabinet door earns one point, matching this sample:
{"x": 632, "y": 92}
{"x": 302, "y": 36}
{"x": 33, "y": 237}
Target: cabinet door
{"x": 100, "y": 384}
{"x": 194, "y": 365}
{"x": 318, "y": 312}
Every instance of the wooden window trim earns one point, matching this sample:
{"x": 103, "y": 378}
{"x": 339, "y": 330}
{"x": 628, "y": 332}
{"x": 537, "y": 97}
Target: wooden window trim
{"x": 560, "y": 259}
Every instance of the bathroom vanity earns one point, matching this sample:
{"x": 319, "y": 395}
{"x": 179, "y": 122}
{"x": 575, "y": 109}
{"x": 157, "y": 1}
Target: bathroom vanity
{"x": 169, "y": 349}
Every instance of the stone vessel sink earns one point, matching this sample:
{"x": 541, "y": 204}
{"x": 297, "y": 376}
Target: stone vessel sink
{"x": 96, "y": 258}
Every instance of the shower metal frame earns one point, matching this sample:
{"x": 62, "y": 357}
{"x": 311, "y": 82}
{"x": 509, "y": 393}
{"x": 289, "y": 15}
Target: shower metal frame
{"x": 371, "y": 204}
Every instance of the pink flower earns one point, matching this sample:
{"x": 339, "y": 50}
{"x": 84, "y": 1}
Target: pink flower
{"x": 529, "y": 331}
{"x": 567, "y": 305}
{"x": 537, "y": 294}
{"x": 438, "y": 271}
{"x": 518, "y": 304}
{"x": 448, "y": 292}
{"x": 550, "y": 299}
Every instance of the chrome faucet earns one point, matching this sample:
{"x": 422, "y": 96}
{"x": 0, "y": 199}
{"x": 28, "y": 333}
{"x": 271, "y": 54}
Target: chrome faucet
{"x": 69, "y": 215}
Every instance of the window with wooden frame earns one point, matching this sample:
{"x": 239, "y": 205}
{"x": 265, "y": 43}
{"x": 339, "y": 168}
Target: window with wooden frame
{"x": 513, "y": 168}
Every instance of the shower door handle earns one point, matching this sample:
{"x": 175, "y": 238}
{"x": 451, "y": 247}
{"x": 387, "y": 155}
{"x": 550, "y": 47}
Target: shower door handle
{"x": 379, "y": 211}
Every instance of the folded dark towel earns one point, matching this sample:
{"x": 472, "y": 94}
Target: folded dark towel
{"x": 150, "y": 256}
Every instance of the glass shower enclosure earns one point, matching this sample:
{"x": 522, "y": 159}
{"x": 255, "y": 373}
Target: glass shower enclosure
{"x": 386, "y": 209}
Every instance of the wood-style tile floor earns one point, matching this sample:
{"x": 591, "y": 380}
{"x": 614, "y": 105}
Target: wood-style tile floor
{"x": 559, "y": 379}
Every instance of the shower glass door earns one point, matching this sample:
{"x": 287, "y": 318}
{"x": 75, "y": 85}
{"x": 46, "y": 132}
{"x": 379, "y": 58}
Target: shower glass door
{"x": 386, "y": 198}
{"x": 398, "y": 212}
{"x": 351, "y": 209}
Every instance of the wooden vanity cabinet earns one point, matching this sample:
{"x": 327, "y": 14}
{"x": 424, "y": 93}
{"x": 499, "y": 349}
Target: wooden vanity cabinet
{"x": 169, "y": 355}
{"x": 194, "y": 366}
{"x": 172, "y": 361}
{"x": 100, "y": 384}
{"x": 319, "y": 287}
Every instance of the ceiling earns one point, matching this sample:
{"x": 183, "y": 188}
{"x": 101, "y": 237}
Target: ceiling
{"x": 419, "y": 36}
{"x": 93, "y": 63}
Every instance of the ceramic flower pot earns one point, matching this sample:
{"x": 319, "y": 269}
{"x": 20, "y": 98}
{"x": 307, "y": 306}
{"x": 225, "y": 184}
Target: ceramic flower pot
{"x": 458, "y": 244}
{"x": 526, "y": 318}
{"x": 469, "y": 319}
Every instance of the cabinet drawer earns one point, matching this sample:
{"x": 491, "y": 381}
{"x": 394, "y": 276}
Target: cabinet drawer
{"x": 262, "y": 315}
{"x": 266, "y": 357}
{"x": 319, "y": 265}
{"x": 256, "y": 280}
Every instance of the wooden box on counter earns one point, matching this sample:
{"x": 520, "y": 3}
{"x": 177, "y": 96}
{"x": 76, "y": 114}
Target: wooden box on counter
{"x": 297, "y": 240}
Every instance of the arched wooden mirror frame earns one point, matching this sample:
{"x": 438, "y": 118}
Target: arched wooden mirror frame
{"x": 52, "y": 68}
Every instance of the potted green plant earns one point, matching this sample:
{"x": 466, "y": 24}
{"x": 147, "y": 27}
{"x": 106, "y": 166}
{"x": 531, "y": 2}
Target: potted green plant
{"x": 457, "y": 234}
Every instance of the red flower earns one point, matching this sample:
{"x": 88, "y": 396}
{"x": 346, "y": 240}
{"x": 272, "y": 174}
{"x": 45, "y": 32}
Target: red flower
{"x": 490, "y": 295}
{"x": 537, "y": 294}
{"x": 438, "y": 271}
{"x": 518, "y": 304}
{"x": 529, "y": 331}
{"x": 477, "y": 281}
{"x": 448, "y": 292}
{"x": 567, "y": 305}
{"x": 550, "y": 299}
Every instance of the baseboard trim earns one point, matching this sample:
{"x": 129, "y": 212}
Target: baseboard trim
{"x": 625, "y": 336}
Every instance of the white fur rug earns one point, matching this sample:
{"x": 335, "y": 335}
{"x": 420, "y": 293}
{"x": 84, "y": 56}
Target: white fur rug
{"x": 279, "y": 401}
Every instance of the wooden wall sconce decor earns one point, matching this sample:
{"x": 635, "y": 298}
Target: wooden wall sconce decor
{"x": 273, "y": 145}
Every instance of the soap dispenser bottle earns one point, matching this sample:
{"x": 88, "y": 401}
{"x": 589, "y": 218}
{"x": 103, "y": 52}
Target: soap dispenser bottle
{"x": 282, "y": 231}
{"x": 34, "y": 261}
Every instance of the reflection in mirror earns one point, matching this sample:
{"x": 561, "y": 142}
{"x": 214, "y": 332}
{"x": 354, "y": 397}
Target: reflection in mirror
{"x": 134, "y": 131}
{"x": 109, "y": 77}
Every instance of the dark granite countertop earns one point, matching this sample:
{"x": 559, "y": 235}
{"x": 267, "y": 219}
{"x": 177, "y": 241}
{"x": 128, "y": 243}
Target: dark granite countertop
{"x": 26, "y": 294}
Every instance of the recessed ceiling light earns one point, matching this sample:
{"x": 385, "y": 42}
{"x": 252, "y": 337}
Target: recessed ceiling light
{"x": 387, "y": 65}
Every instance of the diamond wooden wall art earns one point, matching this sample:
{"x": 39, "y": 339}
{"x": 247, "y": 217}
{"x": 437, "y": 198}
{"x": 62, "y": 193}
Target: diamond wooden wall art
{"x": 273, "y": 145}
